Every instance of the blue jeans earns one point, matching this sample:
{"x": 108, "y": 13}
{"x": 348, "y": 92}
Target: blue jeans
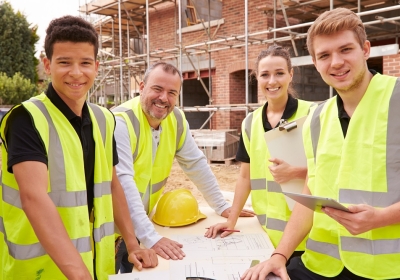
{"x": 121, "y": 257}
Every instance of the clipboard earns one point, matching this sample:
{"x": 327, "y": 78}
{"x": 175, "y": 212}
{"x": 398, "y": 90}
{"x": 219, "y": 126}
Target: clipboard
{"x": 286, "y": 142}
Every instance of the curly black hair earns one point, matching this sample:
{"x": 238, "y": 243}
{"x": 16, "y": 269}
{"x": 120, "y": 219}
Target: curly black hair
{"x": 70, "y": 29}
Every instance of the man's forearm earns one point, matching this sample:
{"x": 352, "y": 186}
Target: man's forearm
{"x": 194, "y": 164}
{"x": 144, "y": 228}
{"x": 46, "y": 221}
{"x": 51, "y": 233}
{"x": 297, "y": 228}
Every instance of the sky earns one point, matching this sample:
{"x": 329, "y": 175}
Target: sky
{"x": 41, "y": 12}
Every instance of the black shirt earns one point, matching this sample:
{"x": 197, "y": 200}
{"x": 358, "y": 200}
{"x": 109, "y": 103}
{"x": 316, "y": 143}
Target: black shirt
{"x": 25, "y": 143}
{"x": 290, "y": 109}
{"x": 344, "y": 118}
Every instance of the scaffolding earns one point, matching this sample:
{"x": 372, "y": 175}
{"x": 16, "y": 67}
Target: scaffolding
{"x": 123, "y": 27}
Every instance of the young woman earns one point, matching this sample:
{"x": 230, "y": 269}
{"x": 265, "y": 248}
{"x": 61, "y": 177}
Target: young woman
{"x": 260, "y": 174}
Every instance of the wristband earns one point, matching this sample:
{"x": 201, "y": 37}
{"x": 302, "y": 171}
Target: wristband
{"x": 276, "y": 253}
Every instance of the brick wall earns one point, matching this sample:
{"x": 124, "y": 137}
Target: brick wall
{"x": 228, "y": 85}
{"x": 391, "y": 65}
{"x": 228, "y": 80}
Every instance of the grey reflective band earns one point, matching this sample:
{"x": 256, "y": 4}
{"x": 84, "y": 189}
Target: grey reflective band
{"x": 179, "y": 120}
{"x": 101, "y": 189}
{"x": 312, "y": 105}
{"x": 158, "y": 186}
{"x": 263, "y": 184}
{"x": 393, "y": 143}
{"x": 59, "y": 194}
{"x": 55, "y": 154}
{"x": 356, "y": 244}
{"x": 146, "y": 196}
{"x": 375, "y": 199}
{"x": 104, "y": 230}
{"x": 392, "y": 196}
{"x": 247, "y": 125}
{"x": 315, "y": 127}
{"x": 273, "y": 186}
{"x": 276, "y": 224}
{"x": 56, "y": 165}
{"x": 11, "y": 196}
{"x": 136, "y": 127}
{"x": 101, "y": 120}
{"x": 262, "y": 219}
{"x": 371, "y": 247}
{"x": 323, "y": 248}
{"x": 60, "y": 199}
{"x": 146, "y": 199}
{"x": 135, "y": 123}
{"x": 68, "y": 199}
{"x": 26, "y": 252}
{"x": 120, "y": 109}
{"x": 271, "y": 223}
{"x": 258, "y": 184}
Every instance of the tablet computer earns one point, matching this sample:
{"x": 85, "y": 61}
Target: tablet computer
{"x": 315, "y": 202}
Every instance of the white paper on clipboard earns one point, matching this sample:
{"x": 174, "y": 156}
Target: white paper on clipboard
{"x": 288, "y": 146}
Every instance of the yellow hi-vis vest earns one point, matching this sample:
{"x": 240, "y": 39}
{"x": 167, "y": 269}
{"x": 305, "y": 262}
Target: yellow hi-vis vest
{"x": 266, "y": 195}
{"x": 151, "y": 177}
{"x": 22, "y": 256}
{"x": 362, "y": 168}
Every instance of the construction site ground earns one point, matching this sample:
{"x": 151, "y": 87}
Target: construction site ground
{"x": 226, "y": 176}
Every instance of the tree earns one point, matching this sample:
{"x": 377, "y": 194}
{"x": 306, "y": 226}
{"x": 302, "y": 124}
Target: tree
{"x": 17, "y": 44}
{"x": 16, "y": 89}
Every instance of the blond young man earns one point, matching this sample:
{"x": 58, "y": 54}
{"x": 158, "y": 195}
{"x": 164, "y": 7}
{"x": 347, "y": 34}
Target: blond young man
{"x": 355, "y": 162}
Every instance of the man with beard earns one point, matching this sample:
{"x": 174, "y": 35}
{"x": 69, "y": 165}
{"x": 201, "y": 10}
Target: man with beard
{"x": 150, "y": 132}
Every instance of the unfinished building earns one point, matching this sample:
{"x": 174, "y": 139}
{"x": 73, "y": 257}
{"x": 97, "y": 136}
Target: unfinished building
{"x": 215, "y": 43}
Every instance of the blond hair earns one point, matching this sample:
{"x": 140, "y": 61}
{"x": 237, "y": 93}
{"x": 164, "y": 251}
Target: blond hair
{"x": 331, "y": 22}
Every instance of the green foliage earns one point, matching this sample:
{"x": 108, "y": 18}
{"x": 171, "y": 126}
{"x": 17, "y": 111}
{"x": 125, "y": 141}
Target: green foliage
{"x": 16, "y": 89}
{"x": 17, "y": 44}
{"x": 42, "y": 87}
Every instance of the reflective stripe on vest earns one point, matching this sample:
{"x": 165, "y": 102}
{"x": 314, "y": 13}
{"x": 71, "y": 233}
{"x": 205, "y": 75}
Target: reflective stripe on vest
{"x": 26, "y": 252}
{"x": 375, "y": 199}
{"x": 101, "y": 120}
{"x": 135, "y": 123}
{"x": 59, "y": 195}
{"x": 272, "y": 218}
{"x": 372, "y": 254}
{"x": 23, "y": 255}
{"x": 133, "y": 114}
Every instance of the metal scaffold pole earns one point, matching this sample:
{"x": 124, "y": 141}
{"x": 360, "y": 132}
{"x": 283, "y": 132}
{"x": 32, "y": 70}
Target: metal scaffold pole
{"x": 121, "y": 81}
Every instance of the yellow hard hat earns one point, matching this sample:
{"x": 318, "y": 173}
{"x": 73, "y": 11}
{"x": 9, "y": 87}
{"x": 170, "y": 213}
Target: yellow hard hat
{"x": 177, "y": 208}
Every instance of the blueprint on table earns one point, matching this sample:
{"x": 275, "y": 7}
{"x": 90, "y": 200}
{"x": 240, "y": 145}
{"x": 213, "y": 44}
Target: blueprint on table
{"x": 220, "y": 258}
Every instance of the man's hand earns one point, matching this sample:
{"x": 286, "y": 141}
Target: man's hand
{"x": 361, "y": 219}
{"x": 168, "y": 248}
{"x": 243, "y": 213}
{"x": 276, "y": 264}
{"x": 143, "y": 258}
